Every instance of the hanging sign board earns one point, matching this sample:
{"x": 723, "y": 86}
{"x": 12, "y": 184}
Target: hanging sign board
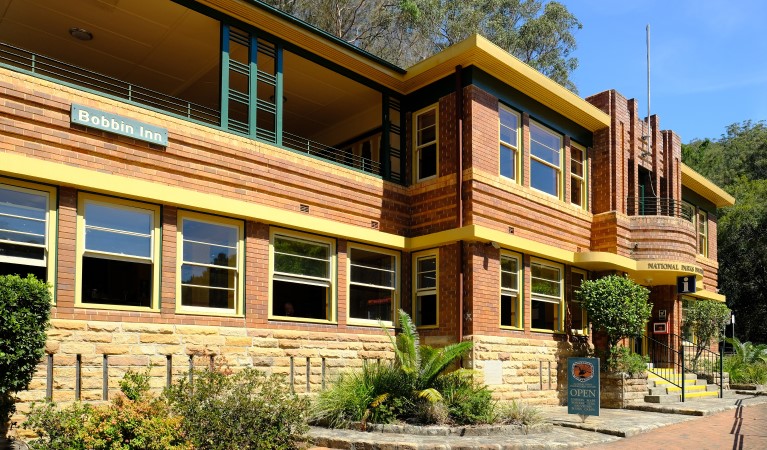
{"x": 583, "y": 386}
{"x": 125, "y": 126}
{"x": 685, "y": 285}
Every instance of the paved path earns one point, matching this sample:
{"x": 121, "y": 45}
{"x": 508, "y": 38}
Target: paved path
{"x": 743, "y": 428}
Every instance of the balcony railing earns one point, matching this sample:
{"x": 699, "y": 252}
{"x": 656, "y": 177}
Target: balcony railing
{"x": 52, "y": 68}
{"x": 657, "y": 206}
{"x": 46, "y": 67}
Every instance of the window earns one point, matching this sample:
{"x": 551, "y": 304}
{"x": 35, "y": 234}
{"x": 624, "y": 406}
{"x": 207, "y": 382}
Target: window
{"x": 578, "y": 323}
{"x": 688, "y": 211}
{"x": 118, "y": 248}
{"x": 511, "y": 301}
{"x": 578, "y": 191}
{"x": 545, "y": 159}
{"x": 509, "y": 142}
{"x": 27, "y": 230}
{"x": 426, "y": 289}
{"x": 702, "y": 233}
{"x": 372, "y": 284}
{"x": 426, "y": 132}
{"x": 546, "y": 299}
{"x": 302, "y": 276}
{"x": 210, "y": 251}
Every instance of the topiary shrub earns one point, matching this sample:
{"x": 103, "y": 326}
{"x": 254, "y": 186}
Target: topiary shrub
{"x": 245, "y": 410}
{"x": 25, "y": 305}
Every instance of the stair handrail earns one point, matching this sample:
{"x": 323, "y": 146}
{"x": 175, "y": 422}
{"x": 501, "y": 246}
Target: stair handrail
{"x": 707, "y": 362}
{"x": 662, "y": 353}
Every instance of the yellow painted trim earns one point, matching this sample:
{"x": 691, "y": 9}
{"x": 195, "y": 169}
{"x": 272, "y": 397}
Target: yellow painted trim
{"x": 519, "y": 244}
{"x": 109, "y": 184}
{"x": 708, "y": 295}
{"x": 82, "y": 198}
{"x": 332, "y": 308}
{"x": 51, "y": 228}
{"x": 395, "y": 301}
{"x": 238, "y": 310}
{"x": 705, "y": 188}
{"x": 561, "y": 313}
{"x": 598, "y": 261}
{"x": 520, "y": 290}
{"x": 415, "y": 257}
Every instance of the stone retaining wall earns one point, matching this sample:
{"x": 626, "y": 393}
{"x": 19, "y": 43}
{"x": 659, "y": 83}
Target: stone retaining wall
{"x": 621, "y": 389}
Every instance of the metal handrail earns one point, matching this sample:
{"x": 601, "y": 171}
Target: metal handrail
{"x": 346, "y": 158}
{"x": 703, "y": 361}
{"x": 658, "y": 206}
{"x": 59, "y": 70}
{"x": 666, "y": 355}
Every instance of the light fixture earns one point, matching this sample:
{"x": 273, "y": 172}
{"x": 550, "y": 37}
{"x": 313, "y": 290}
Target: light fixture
{"x": 80, "y": 34}
{"x": 494, "y": 244}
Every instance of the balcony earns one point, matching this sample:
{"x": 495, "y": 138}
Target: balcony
{"x": 657, "y": 206}
{"x": 172, "y": 59}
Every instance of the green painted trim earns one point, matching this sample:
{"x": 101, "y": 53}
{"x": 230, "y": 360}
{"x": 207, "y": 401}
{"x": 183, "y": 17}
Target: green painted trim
{"x": 224, "y": 102}
{"x": 533, "y": 108}
{"x": 252, "y": 84}
{"x": 690, "y": 196}
{"x": 385, "y": 154}
{"x": 278, "y": 89}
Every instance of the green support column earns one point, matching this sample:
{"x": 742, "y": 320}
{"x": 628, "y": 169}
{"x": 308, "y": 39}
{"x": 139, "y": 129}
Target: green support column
{"x": 253, "y": 85}
{"x": 224, "y": 100}
{"x": 278, "y": 94}
{"x": 385, "y": 140}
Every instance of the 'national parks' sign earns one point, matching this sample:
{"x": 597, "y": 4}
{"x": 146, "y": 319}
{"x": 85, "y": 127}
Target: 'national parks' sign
{"x": 583, "y": 386}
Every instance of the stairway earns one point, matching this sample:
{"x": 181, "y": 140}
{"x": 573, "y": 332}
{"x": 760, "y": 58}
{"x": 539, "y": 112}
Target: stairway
{"x": 663, "y": 391}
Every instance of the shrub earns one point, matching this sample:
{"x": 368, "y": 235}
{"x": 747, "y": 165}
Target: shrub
{"x": 706, "y": 319}
{"x": 467, "y": 401}
{"x": 244, "y": 410}
{"x": 622, "y": 359}
{"x": 133, "y": 420}
{"x": 25, "y": 305}
{"x": 749, "y": 363}
{"x": 513, "y": 413}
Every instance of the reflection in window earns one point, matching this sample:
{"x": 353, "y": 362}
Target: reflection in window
{"x": 577, "y": 175}
{"x": 372, "y": 285}
{"x": 511, "y": 305}
{"x": 545, "y": 160}
{"x": 546, "y": 297}
{"x": 23, "y": 231}
{"x": 301, "y": 284}
{"x": 210, "y": 264}
{"x": 117, "y": 262}
{"x": 426, "y": 291}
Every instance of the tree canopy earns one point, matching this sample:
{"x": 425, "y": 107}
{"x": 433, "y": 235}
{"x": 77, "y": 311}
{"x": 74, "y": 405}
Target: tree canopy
{"x": 738, "y": 163}
{"x": 404, "y": 32}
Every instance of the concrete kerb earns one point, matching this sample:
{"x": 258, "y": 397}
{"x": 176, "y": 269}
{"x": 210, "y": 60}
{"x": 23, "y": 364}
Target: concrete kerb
{"x": 568, "y": 432}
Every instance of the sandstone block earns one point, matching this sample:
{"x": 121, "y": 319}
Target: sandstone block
{"x": 147, "y": 328}
{"x": 61, "y": 324}
{"x": 109, "y": 327}
{"x": 197, "y": 330}
{"x": 159, "y": 338}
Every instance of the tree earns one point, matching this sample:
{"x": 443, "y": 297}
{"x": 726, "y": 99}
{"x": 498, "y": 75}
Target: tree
{"x": 406, "y": 31}
{"x": 738, "y": 163}
{"x": 617, "y": 306}
{"x": 25, "y": 306}
{"x": 706, "y": 319}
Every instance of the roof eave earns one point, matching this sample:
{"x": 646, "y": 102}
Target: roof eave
{"x": 705, "y": 188}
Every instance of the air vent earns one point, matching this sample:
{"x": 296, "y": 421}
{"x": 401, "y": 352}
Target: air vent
{"x": 511, "y": 230}
{"x": 303, "y": 208}
{"x": 374, "y": 224}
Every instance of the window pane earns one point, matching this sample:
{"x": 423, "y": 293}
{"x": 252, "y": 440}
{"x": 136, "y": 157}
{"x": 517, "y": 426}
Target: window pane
{"x": 576, "y": 161}
{"x": 509, "y": 311}
{"x": 22, "y": 251}
{"x": 372, "y": 268}
{"x": 426, "y": 126}
{"x": 299, "y": 300}
{"x": 303, "y": 248}
{"x": 507, "y": 159}
{"x": 576, "y": 316}
{"x": 545, "y": 280}
{"x": 299, "y": 265}
{"x": 23, "y": 237}
{"x": 24, "y": 204}
{"x": 210, "y": 233}
{"x": 544, "y": 138}
{"x": 208, "y": 276}
{"x": 427, "y": 273}
{"x": 509, "y": 127}
{"x": 130, "y": 220}
{"x": 426, "y": 310}
{"x": 118, "y": 243}
{"x": 370, "y": 303}
{"x": 544, "y": 315}
{"x": 206, "y": 297}
{"x": 576, "y": 191}
{"x": 112, "y": 282}
{"x": 427, "y": 161}
{"x": 22, "y": 270}
{"x": 377, "y": 277}
{"x": 544, "y": 178}
{"x": 209, "y": 254}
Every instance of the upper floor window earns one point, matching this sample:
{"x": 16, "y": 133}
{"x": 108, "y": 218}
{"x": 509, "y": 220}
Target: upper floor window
{"x": 509, "y": 142}
{"x": 546, "y": 303}
{"x": 545, "y": 160}
{"x": 210, "y": 264}
{"x": 578, "y": 190}
{"x": 426, "y": 302}
{"x": 372, "y": 284}
{"x": 426, "y": 134}
{"x": 702, "y": 233}
{"x": 302, "y": 276}
{"x": 511, "y": 300}
{"x": 578, "y": 323}
{"x": 27, "y": 229}
{"x": 118, "y": 250}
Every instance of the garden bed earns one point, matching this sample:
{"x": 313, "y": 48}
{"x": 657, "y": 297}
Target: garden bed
{"x": 460, "y": 430}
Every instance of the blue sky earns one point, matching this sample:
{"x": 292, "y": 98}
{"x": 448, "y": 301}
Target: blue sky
{"x": 708, "y": 59}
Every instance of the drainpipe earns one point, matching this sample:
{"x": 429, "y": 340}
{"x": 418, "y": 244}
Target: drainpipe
{"x": 459, "y": 189}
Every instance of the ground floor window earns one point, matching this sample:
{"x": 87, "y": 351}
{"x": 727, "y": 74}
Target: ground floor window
{"x": 302, "y": 276}
{"x": 546, "y": 306}
{"x": 372, "y": 284}
{"x": 511, "y": 300}
{"x": 210, "y": 263}
{"x": 426, "y": 302}
{"x": 118, "y": 249}
{"x": 578, "y": 322}
{"x": 27, "y": 227}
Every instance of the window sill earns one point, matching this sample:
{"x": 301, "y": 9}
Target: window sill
{"x": 370, "y": 323}
{"x": 510, "y": 328}
{"x": 211, "y": 313}
{"x": 116, "y": 307}
{"x": 302, "y": 320}
{"x": 543, "y": 330}
{"x": 427, "y": 327}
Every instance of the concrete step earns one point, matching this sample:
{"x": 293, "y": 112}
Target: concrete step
{"x": 667, "y": 398}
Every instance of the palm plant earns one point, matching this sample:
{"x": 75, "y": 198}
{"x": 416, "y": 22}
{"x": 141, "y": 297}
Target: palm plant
{"x": 748, "y": 364}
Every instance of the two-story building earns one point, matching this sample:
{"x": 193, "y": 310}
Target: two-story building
{"x": 214, "y": 178}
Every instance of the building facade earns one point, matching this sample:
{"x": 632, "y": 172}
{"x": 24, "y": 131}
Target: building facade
{"x": 214, "y": 179}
